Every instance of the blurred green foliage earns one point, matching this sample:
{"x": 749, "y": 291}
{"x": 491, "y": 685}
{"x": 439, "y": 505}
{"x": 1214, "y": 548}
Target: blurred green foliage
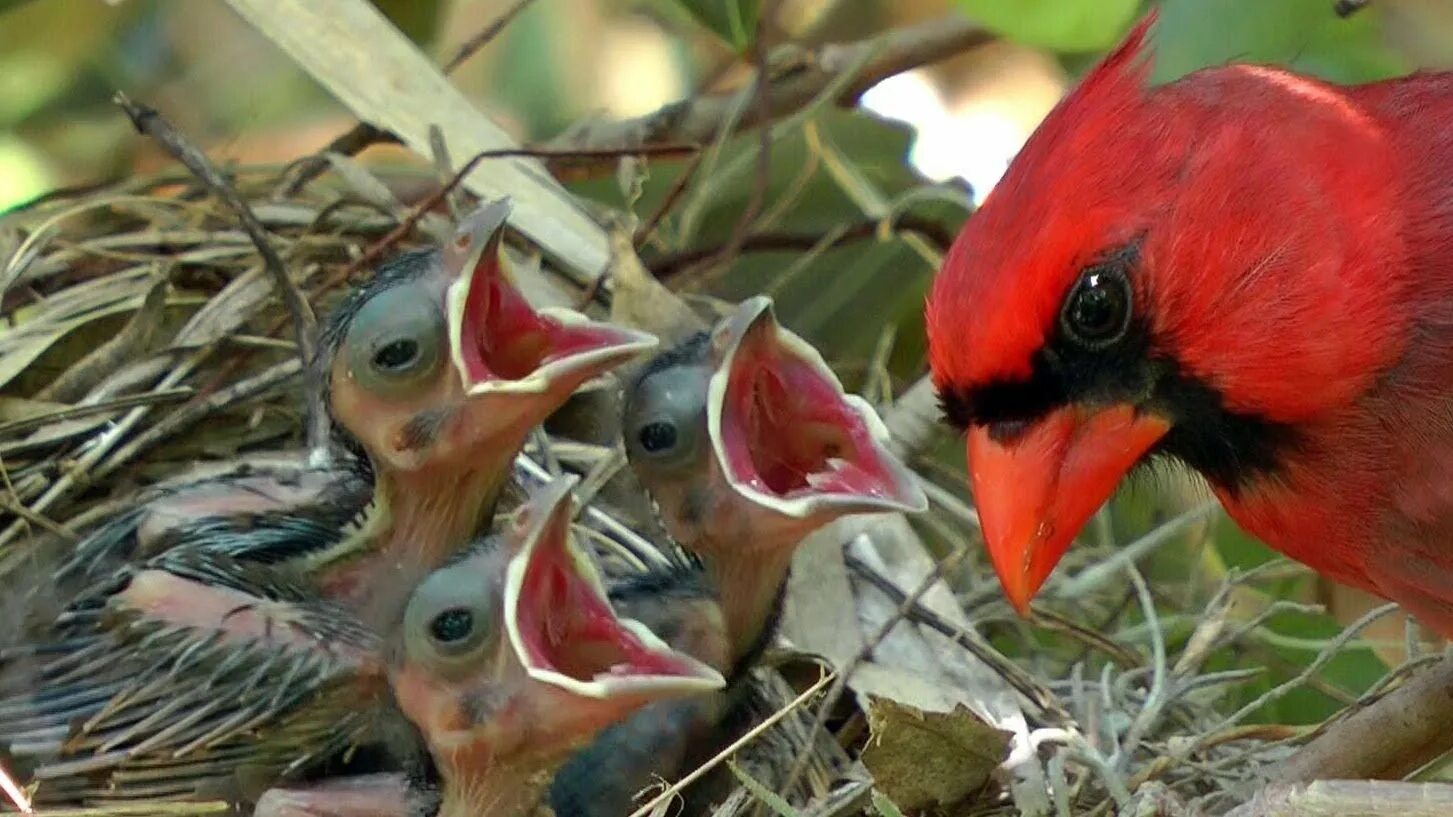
{"x": 1058, "y": 25}
{"x": 732, "y": 20}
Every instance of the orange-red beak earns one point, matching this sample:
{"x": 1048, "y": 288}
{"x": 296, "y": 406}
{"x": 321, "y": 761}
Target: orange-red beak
{"x": 1035, "y": 492}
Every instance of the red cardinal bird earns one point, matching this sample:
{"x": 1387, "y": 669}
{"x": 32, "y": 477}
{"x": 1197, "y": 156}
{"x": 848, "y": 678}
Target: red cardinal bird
{"x": 1246, "y": 270}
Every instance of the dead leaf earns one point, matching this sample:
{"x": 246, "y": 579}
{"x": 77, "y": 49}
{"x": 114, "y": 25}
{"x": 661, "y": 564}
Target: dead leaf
{"x": 921, "y": 759}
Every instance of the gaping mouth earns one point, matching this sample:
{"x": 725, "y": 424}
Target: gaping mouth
{"x": 786, "y": 434}
{"x": 563, "y": 628}
{"x": 500, "y": 343}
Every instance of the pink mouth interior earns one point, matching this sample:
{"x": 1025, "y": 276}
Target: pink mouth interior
{"x": 505, "y": 339}
{"x": 784, "y": 424}
{"x": 567, "y": 627}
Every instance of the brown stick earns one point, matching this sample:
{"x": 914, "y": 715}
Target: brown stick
{"x": 796, "y": 80}
{"x": 1350, "y": 798}
{"x": 485, "y": 36}
{"x": 1388, "y": 739}
{"x": 148, "y": 121}
{"x": 667, "y": 266}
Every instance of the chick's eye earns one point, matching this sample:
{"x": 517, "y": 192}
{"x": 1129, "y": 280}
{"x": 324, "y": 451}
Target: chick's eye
{"x": 1097, "y": 312}
{"x": 396, "y": 342}
{"x": 452, "y": 626}
{"x": 657, "y": 438}
{"x": 397, "y": 355}
{"x": 665, "y": 421}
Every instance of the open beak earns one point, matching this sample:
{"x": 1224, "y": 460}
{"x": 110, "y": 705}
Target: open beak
{"x": 499, "y": 343}
{"x": 1036, "y": 491}
{"x": 561, "y": 624}
{"x": 785, "y": 433}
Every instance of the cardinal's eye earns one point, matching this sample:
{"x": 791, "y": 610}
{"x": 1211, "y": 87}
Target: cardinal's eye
{"x": 1097, "y": 312}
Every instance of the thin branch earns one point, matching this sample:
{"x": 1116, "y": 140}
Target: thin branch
{"x": 365, "y": 135}
{"x": 733, "y": 246}
{"x": 1014, "y": 675}
{"x": 485, "y": 36}
{"x": 148, "y": 121}
{"x": 751, "y": 735}
{"x": 25, "y": 424}
{"x": 397, "y": 234}
{"x": 669, "y": 201}
{"x": 1350, "y": 798}
{"x": 1398, "y": 734}
{"x": 797, "y": 78}
{"x": 669, "y": 265}
{"x": 905, "y": 607}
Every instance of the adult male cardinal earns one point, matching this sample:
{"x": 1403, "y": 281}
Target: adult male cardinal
{"x": 1246, "y": 270}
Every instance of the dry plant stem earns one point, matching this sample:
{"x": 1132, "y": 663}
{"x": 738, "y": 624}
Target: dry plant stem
{"x": 39, "y": 520}
{"x": 147, "y": 399}
{"x": 486, "y": 35}
{"x": 669, "y": 201}
{"x": 735, "y": 746}
{"x": 135, "y": 339}
{"x": 1023, "y": 682}
{"x": 733, "y": 245}
{"x": 406, "y": 226}
{"x": 796, "y": 80}
{"x": 1392, "y": 737}
{"x": 871, "y": 643}
{"x": 191, "y": 413}
{"x": 148, "y": 121}
{"x": 364, "y": 135}
{"x": 1350, "y": 798}
{"x": 668, "y": 266}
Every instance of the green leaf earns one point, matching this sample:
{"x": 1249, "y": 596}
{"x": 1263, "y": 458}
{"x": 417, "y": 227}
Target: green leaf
{"x": 1303, "y": 35}
{"x": 735, "y": 21}
{"x": 1059, "y": 25}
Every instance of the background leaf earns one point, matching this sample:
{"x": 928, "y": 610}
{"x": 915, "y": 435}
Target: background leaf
{"x": 732, "y": 20}
{"x": 1060, "y": 25}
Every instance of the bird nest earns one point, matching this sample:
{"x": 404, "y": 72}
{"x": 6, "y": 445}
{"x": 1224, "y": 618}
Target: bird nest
{"x": 149, "y": 337}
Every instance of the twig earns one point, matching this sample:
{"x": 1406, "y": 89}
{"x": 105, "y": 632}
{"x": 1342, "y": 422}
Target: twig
{"x": 365, "y": 135}
{"x": 669, "y": 201}
{"x": 1402, "y": 732}
{"x": 1333, "y": 648}
{"x": 485, "y": 36}
{"x": 37, "y": 519}
{"x": 870, "y": 644}
{"x": 148, "y": 121}
{"x": 732, "y": 749}
{"x": 135, "y": 339}
{"x": 397, "y": 234}
{"x": 14, "y": 792}
{"x": 78, "y": 412}
{"x": 669, "y": 265}
{"x": 1096, "y": 576}
{"x": 1022, "y": 682}
{"x": 1350, "y": 798}
{"x": 1158, "y": 697}
{"x": 758, "y": 197}
{"x": 797, "y": 79}
{"x": 192, "y": 412}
